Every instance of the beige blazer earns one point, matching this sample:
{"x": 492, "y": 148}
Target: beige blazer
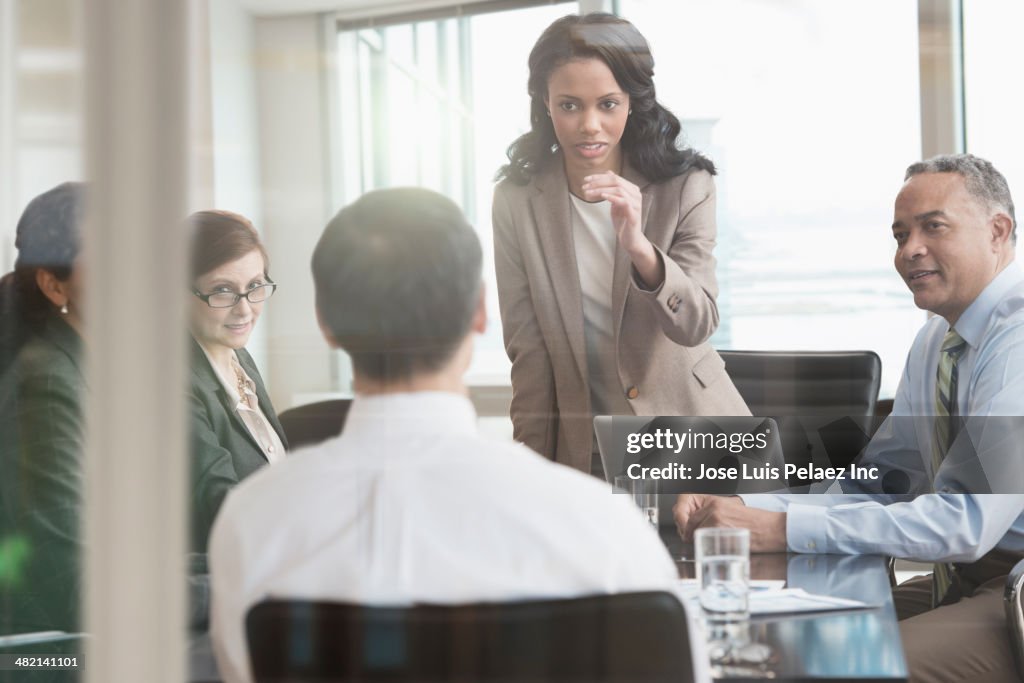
{"x": 665, "y": 365}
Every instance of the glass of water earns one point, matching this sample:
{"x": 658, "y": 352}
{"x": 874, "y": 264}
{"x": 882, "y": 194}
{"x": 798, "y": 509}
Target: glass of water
{"x": 723, "y": 570}
{"x": 644, "y": 493}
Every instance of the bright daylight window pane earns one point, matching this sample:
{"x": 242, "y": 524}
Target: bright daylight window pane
{"x": 441, "y": 101}
{"x": 811, "y": 112}
{"x": 992, "y": 89}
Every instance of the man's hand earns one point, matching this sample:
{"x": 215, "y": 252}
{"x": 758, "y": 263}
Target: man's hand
{"x": 767, "y": 529}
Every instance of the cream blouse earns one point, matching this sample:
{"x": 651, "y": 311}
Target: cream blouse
{"x": 249, "y": 410}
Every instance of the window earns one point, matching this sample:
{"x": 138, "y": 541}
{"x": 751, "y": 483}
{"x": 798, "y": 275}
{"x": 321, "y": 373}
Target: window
{"x": 993, "y": 95}
{"x": 438, "y": 102}
{"x": 811, "y": 115}
{"x": 811, "y": 133}
{"x": 40, "y": 107}
{"x": 811, "y": 128}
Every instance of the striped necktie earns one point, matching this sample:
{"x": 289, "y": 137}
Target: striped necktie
{"x": 946, "y": 422}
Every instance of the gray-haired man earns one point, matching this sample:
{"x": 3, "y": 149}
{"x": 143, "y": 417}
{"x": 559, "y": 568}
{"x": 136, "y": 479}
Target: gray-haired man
{"x": 955, "y": 234}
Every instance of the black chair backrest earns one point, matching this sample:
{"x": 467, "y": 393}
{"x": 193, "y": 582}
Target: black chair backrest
{"x": 629, "y": 637}
{"x": 774, "y": 383}
{"x": 312, "y": 423}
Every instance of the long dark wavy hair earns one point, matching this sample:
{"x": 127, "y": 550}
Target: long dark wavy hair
{"x": 649, "y": 140}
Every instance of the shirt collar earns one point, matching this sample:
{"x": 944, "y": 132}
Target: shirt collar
{"x": 417, "y": 412}
{"x": 972, "y": 324}
{"x": 230, "y": 384}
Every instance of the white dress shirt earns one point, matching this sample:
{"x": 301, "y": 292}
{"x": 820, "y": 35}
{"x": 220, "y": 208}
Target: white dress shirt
{"x": 954, "y": 524}
{"x": 411, "y": 504}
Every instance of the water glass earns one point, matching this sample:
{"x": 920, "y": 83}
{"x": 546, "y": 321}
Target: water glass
{"x": 644, "y": 493}
{"x": 723, "y": 571}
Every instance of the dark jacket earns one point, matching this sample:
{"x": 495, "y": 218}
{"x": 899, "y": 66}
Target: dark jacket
{"x": 223, "y": 450}
{"x": 41, "y": 455}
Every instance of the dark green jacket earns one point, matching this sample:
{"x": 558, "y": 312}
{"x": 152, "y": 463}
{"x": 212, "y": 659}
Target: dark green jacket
{"x": 223, "y": 451}
{"x": 41, "y": 455}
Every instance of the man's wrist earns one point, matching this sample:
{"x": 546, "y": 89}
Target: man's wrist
{"x": 806, "y": 528}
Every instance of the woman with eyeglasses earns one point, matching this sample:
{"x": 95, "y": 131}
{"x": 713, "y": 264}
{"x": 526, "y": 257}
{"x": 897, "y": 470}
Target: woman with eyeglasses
{"x": 235, "y": 430}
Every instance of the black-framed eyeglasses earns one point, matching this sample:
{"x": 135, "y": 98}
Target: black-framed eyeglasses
{"x": 228, "y": 299}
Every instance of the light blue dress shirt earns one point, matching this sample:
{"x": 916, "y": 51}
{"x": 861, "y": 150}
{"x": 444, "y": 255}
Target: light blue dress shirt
{"x": 955, "y": 524}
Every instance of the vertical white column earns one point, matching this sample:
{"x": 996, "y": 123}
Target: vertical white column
{"x": 136, "y": 104}
{"x": 942, "y": 94}
{"x": 200, "y": 193}
{"x": 295, "y": 160}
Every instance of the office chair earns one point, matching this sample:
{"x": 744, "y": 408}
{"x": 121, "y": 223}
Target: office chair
{"x": 1013, "y": 602}
{"x": 630, "y": 637}
{"x": 831, "y": 395}
{"x": 312, "y": 423}
{"x": 835, "y": 383}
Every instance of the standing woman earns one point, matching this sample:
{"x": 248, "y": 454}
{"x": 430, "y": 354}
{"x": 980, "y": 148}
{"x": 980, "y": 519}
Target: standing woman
{"x": 235, "y": 430}
{"x": 603, "y": 234}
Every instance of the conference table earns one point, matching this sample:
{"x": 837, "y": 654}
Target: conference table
{"x": 838, "y": 646}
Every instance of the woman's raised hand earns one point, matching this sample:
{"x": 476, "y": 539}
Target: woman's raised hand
{"x": 626, "y": 203}
{"x": 627, "y": 209}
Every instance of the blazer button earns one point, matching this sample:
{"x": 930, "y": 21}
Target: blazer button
{"x": 632, "y": 392}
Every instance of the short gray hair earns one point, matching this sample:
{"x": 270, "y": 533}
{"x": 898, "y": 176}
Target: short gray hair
{"x": 981, "y": 179}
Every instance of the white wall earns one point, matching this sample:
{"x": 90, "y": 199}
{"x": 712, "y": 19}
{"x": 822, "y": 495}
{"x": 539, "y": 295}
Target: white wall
{"x": 235, "y": 128}
{"x": 295, "y": 188}
{"x": 271, "y": 163}
{"x": 236, "y": 158}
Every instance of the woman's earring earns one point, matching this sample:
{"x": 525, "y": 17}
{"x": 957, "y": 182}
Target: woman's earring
{"x": 629, "y": 112}
{"x": 64, "y": 309}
